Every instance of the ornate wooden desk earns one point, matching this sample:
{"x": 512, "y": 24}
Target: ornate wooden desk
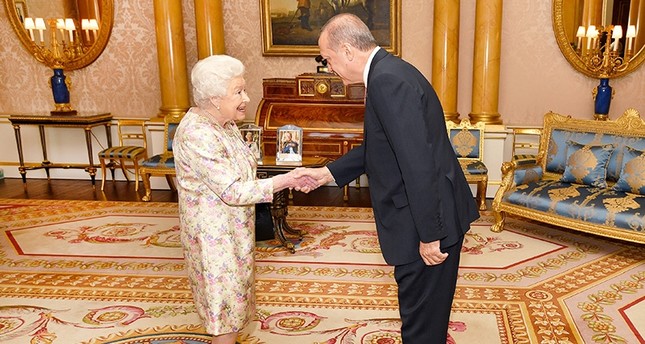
{"x": 84, "y": 121}
{"x": 330, "y": 114}
{"x": 279, "y": 210}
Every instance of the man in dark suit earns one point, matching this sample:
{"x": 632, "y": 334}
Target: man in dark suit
{"x": 422, "y": 203}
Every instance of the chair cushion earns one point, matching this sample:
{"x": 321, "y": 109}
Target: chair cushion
{"x": 160, "y": 161}
{"x": 466, "y": 143}
{"x": 587, "y": 164}
{"x": 122, "y": 152}
{"x": 632, "y": 173}
{"x": 473, "y": 166}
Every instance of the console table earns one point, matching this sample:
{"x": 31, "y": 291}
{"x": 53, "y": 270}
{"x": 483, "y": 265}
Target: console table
{"x": 81, "y": 121}
{"x": 279, "y": 211}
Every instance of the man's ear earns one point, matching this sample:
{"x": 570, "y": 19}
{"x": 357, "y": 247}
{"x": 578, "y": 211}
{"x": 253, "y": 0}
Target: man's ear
{"x": 348, "y": 50}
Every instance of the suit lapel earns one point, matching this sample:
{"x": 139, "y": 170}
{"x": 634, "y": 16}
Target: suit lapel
{"x": 377, "y": 58}
{"x": 380, "y": 54}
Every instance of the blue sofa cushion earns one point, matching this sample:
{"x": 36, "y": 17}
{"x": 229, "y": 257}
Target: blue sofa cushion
{"x": 603, "y": 206}
{"x": 632, "y": 173}
{"x": 556, "y": 154}
{"x": 587, "y": 164}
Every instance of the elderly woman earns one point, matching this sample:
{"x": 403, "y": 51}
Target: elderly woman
{"x": 218, "y": 189}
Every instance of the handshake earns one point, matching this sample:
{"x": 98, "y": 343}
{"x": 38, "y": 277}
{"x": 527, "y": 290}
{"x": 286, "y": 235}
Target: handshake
{"x": 302, "y": 179}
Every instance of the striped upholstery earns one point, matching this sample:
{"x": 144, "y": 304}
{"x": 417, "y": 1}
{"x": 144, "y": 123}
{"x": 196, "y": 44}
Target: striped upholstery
{"x": 526, "y": 142}
{"x": 132, "y": 148}
{"x": 122, "y": 152}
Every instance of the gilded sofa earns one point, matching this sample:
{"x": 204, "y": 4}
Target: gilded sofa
{"x": 588, "y": 176}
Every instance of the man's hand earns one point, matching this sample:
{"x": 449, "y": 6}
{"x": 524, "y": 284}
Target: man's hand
{"x": 319, "y": 176}
{"x": 431, "y": 253}
{"x": 294, "y": 180}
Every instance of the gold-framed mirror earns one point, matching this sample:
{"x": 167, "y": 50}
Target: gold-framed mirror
{"x": 570, "y": 15}
{"x": 40, "y": 27}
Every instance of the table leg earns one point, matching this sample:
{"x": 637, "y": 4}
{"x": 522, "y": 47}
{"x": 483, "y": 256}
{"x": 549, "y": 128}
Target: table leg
{"x": 279, "y": 213}
{"x": 21, "y": 168}
{"x": 108, "y": 135}
{"x": 90, "y": 169}
{"x": 43, "y": 145}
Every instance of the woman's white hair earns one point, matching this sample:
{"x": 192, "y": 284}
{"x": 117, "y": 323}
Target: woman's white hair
{"x": 211, "y": 76}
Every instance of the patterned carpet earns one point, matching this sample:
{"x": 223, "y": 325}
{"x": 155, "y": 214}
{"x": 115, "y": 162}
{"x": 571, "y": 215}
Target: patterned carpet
{"x": 112, "y": 272}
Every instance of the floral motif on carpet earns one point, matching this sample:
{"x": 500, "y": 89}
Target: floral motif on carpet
{"x": 112, "y": 272}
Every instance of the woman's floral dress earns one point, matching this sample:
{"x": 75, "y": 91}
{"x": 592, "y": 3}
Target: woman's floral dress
{"x": 218, "y": 189}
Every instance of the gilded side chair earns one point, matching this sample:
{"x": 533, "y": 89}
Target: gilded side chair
{"x": 132, "y": 148}
{"x": 161, "y": 164}
{"x": 468, "y": 143}
{"x": 526, "y": 143}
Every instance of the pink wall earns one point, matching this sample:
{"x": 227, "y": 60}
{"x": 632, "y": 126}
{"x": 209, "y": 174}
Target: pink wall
{"x": 535, "y": 77}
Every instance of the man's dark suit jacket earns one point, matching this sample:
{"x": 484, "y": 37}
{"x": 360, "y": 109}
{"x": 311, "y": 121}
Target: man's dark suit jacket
{"x": 417, "y": 188}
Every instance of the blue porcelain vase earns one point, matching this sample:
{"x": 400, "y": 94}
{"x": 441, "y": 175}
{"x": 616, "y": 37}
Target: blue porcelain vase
{"x": 603, "y": 98}
{"x": 59, "y": 87}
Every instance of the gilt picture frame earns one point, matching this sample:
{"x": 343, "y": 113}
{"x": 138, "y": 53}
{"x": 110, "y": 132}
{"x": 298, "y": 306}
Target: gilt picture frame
{"x": 290, "y": 30}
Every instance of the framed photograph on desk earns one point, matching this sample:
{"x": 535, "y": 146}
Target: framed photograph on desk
{"x": 289, "y": 144}
{"x": 252, "y": 135}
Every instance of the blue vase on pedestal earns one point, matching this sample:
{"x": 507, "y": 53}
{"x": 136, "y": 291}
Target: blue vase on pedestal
{"x": 602, "y": 99}
{"x": 59, "y": 87}
{"x": 61, "y": 93}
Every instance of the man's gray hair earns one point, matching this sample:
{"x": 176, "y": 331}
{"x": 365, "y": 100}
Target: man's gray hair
{"x": 212, "y": 75}
{"x": 348, "y": 28}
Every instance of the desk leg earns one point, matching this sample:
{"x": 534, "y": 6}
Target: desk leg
{"x": 90, "y": 169}
{"x": 21, "y": 168}
{"x": 280, "y": 226}
{"x": 43, "y": 145}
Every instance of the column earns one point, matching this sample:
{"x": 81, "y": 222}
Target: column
{"x": 486, "y": 62}
{"x": 445, "y": 55}
{"x": 209, "y": 22}
{"x": 636, "y": 17}
{"x": 171, "y": 56}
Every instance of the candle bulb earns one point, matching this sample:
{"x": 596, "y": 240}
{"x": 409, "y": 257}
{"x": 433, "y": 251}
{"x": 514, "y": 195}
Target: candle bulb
{"x": 69, "y": 26}
{"x": 617, "y": 34}
{"x": 580, "y": 34}
{"x": 30, "y": 26}
{"x": 85, "y": 26}
{"x": 94, "y": 26}
{"x": 40, "y": 26}
{"x": 631, "y": 33}
{"x": 592, "y": 33}
{"x": 60, "y": 25}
